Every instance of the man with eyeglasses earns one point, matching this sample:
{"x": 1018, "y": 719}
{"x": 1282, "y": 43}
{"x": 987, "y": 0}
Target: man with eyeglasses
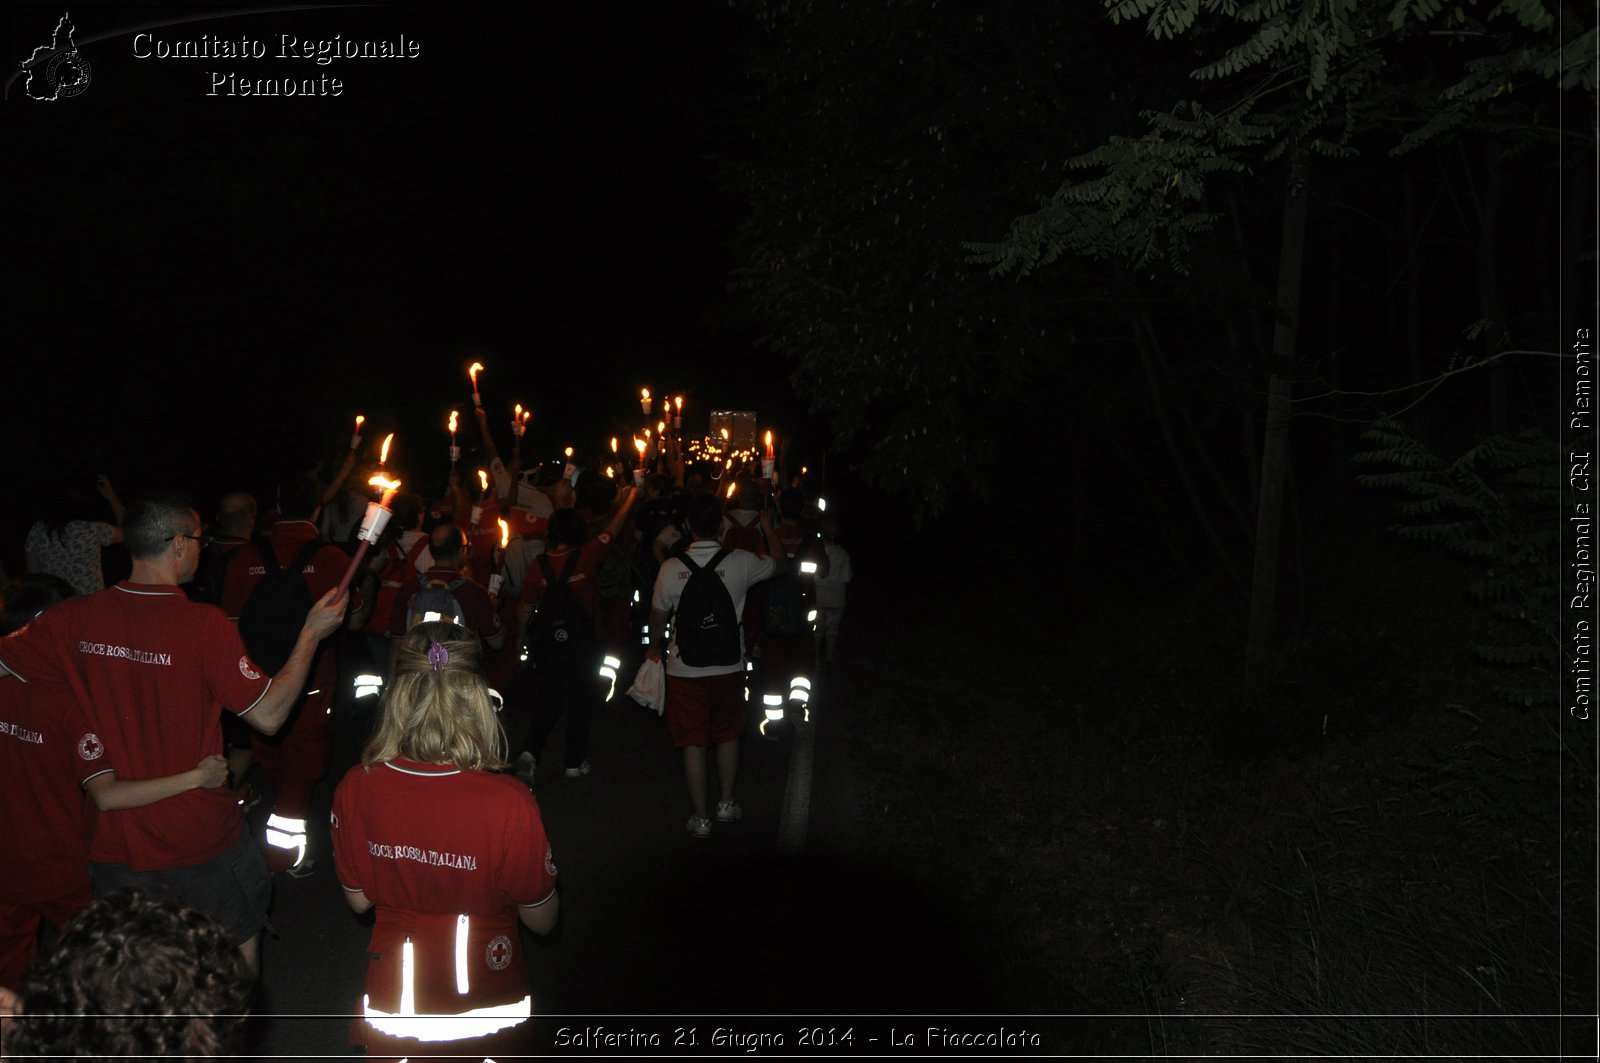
{"x": 152, "y": 671}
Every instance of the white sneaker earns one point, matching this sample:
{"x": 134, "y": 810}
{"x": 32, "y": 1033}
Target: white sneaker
{"x": 579, "y": 772}
{"x": 526, "y": 766}
{"x": 729, "y": 812}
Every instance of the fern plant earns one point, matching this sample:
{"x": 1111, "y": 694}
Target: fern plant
{"x": 1495, "y": 505}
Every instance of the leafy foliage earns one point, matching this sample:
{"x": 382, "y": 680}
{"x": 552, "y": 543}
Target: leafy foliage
{"x": 1361, "y": 74}
{"x": 1496, "y": 505}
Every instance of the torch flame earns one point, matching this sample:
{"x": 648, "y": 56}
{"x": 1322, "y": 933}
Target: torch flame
{"x": 360, "y": 420}
{"x": 769, "y": 437}
{"x": 613, "y": 444}
{"x": 505, "y": 534}
{"x": 477, "y": 367}
{"x": 644, "y": 394}
{"x": 483, "y": 480}
{"x": 383, "y": 455}
{"x": 638, "y": 444}
{"x": 452, "y": 422}
{"x": 384, "y": 482}
{"x": 724, "y": 435}
{"x": 611, "y": 474}
{"x": 661, "y": 426}
{"x": 679, "y": 403}
{"x": 569, "y": 452}
{"x": 516, "y": 414}
{"x": 527, "y": 415}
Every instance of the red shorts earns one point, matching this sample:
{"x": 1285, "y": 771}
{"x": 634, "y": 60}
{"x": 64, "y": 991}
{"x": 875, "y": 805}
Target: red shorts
{"x": 702, "y": 710}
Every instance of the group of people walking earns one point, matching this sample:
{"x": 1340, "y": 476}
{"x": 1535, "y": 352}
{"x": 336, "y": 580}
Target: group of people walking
{"x": 135, "y": 718}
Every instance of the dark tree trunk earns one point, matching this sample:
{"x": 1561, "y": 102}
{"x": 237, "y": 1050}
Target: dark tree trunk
{"x": 1275, "y": 444}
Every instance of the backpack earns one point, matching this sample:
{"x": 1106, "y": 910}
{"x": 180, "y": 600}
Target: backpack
{"x": 614, "y": 581}
{"x": 436, "y": 599}
{"x": 706, "y": 626}
{"x": 783, "y": 612}
{"x": 560, "y": 629}
{"x": 273, "y": 615}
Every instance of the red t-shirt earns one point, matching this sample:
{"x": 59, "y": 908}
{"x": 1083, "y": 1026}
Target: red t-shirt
{"x": 46, "y": 754}
{"x": 153, "y": 671}
{"x": 582, "y": 582}
{"x": 428, "y": 844}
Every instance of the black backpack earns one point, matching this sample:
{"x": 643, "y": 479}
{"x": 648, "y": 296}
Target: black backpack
{"x": 705, "y": 625}
{"x": 561, "y": 629}
{"x": 273, "y": 615}
{"x": 436, "y": 599}
{"x": 783, "y": 613}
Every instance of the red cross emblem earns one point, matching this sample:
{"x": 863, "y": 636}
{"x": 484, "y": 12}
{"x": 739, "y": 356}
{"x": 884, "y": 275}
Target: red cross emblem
{"x": 90, "y": 747}
{"x": 498, "y": 954}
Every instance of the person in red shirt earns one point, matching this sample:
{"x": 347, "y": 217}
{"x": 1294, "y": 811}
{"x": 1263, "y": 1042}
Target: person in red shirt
{"x": 295, "y": 758}
{"x": 453, "y": 855}
{"x": 788, "y": 661}
{"x": 448, "y": 544}
{"x": 44, "y": 738}
{"x": 152, "y": 671}
{"x": 567, "y": 676}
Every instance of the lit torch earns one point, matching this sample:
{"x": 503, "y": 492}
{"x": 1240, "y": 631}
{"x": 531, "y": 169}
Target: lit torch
{"x": 355, "y": 439}
{"x": 769, "y": 461}
{"x": 472, "y": 373}
{"x": 455, "y": 451}
{"x": 677, "y": 420}
{"x": 372, "y": 524}
{"x": 383, "y": 452}
{"x": 517, "y": 422}
{"x": 644, "y": 401}
{"x": 496, "y": 578}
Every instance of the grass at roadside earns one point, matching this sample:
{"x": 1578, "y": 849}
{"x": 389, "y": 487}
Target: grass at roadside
{"x": 1085, "y": 805}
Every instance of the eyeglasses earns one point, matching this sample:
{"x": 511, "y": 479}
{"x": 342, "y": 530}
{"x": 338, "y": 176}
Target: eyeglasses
{"x": 203, "y": 540}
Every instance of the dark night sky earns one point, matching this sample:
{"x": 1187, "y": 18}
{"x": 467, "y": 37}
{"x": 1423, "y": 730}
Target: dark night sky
{"x": 210, "y": 284}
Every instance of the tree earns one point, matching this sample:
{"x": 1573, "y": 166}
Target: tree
{"x": 1311, "y": 83}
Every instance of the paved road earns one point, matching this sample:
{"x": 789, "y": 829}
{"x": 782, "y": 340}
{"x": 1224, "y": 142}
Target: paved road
{"x": 763, "y": 918}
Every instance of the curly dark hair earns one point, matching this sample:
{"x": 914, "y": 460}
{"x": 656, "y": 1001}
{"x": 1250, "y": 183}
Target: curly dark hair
{"x": 134, "y": 977}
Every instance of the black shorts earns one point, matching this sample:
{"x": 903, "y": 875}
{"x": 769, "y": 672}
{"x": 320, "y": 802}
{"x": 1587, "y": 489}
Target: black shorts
{"x": 234, "y": 888}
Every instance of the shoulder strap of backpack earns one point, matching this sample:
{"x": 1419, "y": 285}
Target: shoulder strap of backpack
{"x": 689, "y": 561}
{"x": 572, "y": 563}
{"x": 721, "y": 555}
{"x": 269, "y": 558}
{"x": 303, "y": 558}
{"x": 416, "y": 549}
{"x": 548, "y": 570}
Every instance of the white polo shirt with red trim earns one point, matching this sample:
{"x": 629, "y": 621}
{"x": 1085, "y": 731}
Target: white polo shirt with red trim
{"x": 152, "y": 671}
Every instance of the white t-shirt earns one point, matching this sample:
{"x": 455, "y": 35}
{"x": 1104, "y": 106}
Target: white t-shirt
{"x": 831, "y": 589}
{"x": 739, "y": 571}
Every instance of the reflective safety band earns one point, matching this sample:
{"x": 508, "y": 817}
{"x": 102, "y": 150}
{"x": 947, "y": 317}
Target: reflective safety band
{"x": 636, "y": 596}
{"x": 747, "y": 693}
{"x": 608, "y": 671}
{"x": 311, "y": 693}
{"x": 811, "y": 617}
{"x": 769, "y": 700}
{"x": 749, "y": 666}
{"x": 800, "y": 682}
{"x": 284, "y": 832}
{"x": 430, "y": 616}
{"x": 800, "y": 694}
{"x": 808, "y": 567}
{"x": 463, "y": 923}
{"x": 475, "y": 1022}
{"x": 368, "y": 685}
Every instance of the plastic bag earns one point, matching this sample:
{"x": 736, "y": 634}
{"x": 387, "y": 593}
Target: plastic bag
{"x": 650, "y": 686}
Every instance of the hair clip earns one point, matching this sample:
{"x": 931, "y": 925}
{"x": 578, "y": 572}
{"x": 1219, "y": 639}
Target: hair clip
{"x": 438, "y": 657}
